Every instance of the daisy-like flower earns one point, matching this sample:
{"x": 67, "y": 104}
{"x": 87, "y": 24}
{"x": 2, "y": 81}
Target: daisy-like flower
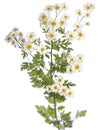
{"x": 44, "y": 22}
{"x": 13, "y": 34}
{"x": 42, "y": 49}
{"x": 69, "y": 93}
{"x": 15, "y": 29}
{"x": 78, "y": 12}
{"x": 71, "y": 59}
{"x": 79, "y": 35}
{"x": 43, "y": 16}
{"x": 79, "y": 58}
{"x": 89, "y": 6}
{"x": 55, "y": 88}
{"x": 13, "y": 42}
{"x": 49, "y": 89}
{"x": 87, "y": 23}
{"x": 65, "y": 16}
{"x": 63, "y": 91}
{"x": 87, "y": 14}
{"x": 64, "y": 6}
{"x": 30, "y": 37}
{"x": 29, "y": 47}
{"x": 22, "y": 40}
{"x": 70, "y": 70}
{"x": 59, "y": 80}
{"x": 77, "y": 26}
{"x": 77, "y": 67}
{"x": 57, "y": 7}
{"x": 71, "y": 36}
{"x": 62, "y": 22}
{"x": 7, "y": 38}
{"x": 51, "y": 35}
{"x": 48, "y": 8}
{"x": 19, "y": 34}
{"x": 53, "y": 24}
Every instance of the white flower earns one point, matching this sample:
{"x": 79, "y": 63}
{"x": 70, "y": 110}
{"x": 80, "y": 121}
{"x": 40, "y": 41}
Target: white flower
{"x": 29, "y": 47}
{"x": 79, "y": 35}
{"x": 15, "y": 29}
{"x": 30, "y": 37}
{"x": 70, "y": 93}
{"x": 77, "y": 67}
{"x": 22, "y": 40}
{"x": 64, "y": 6}
{"x": 55, "y": 88}
{"x": 63, "y": 91}
{"x": 59, "y": 80}
{"x": 19, "y": 34}
{"x": 51, "y": 35}
{"x": 49, "y": 89}
{"x": 43, "y": 16}
{"x": 57, "y": 7}
{"x": 13, "y": 34}
{"x": 65, "y": 16}
{"x": 42, "y": 49}
{"x": 71, "y": 35}
{"x": 62, "y": 22}
{"x": 7, "y": 38}
{"x": 70, "y": 70}
{"x": 87, "y": 14}
{"x": 13, "y": 42}
{"x": 48, "y": 8}
{"x": 53, "y": 24}
{"x": 89, "y": 6}
{"x": 78, "y": 12}
{"x": 79, "y": 58}
{"x": 87, "y": 23}
{"x": 77, "y": 26}
{"x": 44, "y": 22}
{"x": 71, "y": 59}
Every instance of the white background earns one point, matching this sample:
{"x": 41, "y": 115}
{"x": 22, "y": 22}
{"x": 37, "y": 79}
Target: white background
{"x": 18, "y": 98}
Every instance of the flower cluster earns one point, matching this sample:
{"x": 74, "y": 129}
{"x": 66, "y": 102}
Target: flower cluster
{"x": 75, "y": 63}
{"x": 28, "y": 44}
{"x": 55, "y": 18}
{"x": 51, "y": 59}
{"x": 60, "y": 88}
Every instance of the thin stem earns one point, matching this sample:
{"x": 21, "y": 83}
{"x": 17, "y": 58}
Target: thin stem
{"x": 81, "y": 19}
{"x": 51, "y": 62}
{"x": 56, "y": 114}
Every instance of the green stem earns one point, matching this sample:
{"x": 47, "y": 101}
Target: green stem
{"x": 51, "y": 71}
{"x": 56, "y": 114}
{"x": 51, "y": 62}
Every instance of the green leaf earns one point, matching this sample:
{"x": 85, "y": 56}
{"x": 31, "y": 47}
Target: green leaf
{"x": 60, "y": 108}
{"x": 24, "y": 66}
{"x": 80, "y": 113}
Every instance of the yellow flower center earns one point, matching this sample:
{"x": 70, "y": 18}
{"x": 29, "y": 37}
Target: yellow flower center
{"x": 53, "y": 23}
{"x": 77, "y": 67}
{"x": 80, "y": 34}
{"x": 43, "y": 16}
{"x": 44, "y": 22}
{"x": 57, "y": 7}
{"x": 42, "y": 49}
{"x": 30, "y": 36}
{"x": 63, "y": 90}
{"x": 62, "y": 22}
{"x": 55, "y": 87}
{"x": 29, "y": 47}
{"x": 59, "y": 80}
{"x": 69, "y": 93}
{"x": 51, "y": 35}
{"x": 71, "y": 36}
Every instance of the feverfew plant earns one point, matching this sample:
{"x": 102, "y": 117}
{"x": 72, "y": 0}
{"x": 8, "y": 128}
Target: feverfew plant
{"x": 49, "y": 61}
